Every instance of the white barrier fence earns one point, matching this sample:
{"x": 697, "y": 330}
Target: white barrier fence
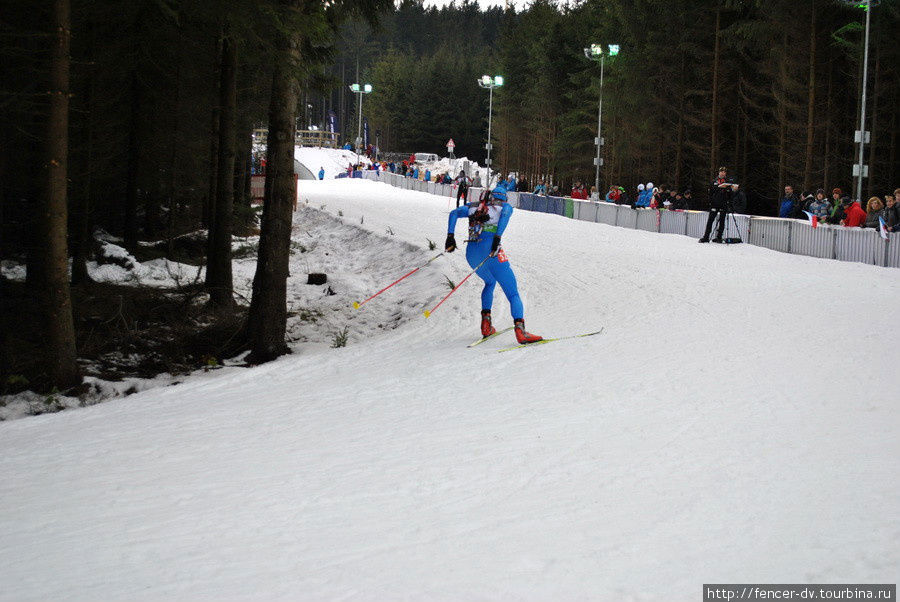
{"x": 785, "y": 235}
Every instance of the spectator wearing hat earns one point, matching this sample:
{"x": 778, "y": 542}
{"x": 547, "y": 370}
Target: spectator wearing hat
{"x": 678, "y": 203}
{"x": 820, "y": 207}
{"x": 854, "y": 216}
{"x": 579, "y": 191}
{"x": 719, "y": 201}
{"x": 462, "y": 187}
{"x": 613, "y": 195}
{"x": 837, "y": 208}
{"x": 645, "y": 196}
{"x": 688, "y": 199}
{"x": 541, "y": 188}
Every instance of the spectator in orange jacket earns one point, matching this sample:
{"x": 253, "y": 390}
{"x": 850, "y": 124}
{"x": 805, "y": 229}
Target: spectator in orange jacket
{"x": 855, "y": 216}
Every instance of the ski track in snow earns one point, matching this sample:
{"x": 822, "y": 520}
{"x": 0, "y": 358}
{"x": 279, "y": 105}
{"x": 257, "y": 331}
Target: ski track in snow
{"x": 735, "y": 422}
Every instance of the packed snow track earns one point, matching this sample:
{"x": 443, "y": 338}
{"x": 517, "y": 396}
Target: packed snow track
{"x": 736, "y": 421}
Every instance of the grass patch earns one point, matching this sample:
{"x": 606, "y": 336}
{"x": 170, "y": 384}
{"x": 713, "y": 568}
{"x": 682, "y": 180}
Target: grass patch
{"x": 340, "y": 338}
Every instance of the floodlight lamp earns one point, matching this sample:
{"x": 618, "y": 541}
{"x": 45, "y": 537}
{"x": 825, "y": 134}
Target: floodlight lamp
{"x": 368, "y": 88}
{"x": 485, "y": 80}
{"x": 354, "y": 87}
{"x": 498, "y": 81}
{"x": 613, "y": 49}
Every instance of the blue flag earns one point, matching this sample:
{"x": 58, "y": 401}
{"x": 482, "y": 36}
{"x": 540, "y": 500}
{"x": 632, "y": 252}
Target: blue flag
{"x": 332, "y": 122}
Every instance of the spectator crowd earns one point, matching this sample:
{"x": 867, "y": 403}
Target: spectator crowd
{"x": 839, "y": 209}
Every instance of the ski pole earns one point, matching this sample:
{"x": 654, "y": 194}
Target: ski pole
{"x": 358, "y": 304}
{"x": 429, "y": 312}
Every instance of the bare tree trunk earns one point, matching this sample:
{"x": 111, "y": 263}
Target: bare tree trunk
{"x": 131, "y": 193}
{"x": 173, "y": 162}
{"x": 744, "y": 152}
{"x": 218, "y": 265}
{"x": 714, "y": 132}
{"x": 892, "y": 160}
{"x": 82, "y": 230}
{"x": 826, "y": 172}
{"x": 267, "y": 321}
{"x": 811, "y": 105}
{"x": 210, "y": 201}
{"x": 55, "y": 298}
{"x": 782, "y": 135}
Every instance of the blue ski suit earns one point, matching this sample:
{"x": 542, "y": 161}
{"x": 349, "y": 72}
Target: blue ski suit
{"x": 496, "y": 269}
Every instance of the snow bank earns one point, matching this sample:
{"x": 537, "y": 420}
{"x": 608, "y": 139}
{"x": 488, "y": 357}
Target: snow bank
{"x": 334, "y": 160}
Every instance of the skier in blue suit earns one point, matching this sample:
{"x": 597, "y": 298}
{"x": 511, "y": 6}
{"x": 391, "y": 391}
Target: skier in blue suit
{"x": 488, "y": 219}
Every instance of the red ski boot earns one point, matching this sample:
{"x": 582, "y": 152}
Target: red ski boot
{"x": 524, "y": 337}
{"x": 486, "y": 328}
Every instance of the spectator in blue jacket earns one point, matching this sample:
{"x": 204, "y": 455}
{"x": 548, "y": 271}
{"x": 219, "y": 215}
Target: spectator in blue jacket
{"x": 510, "y": 183}
{"x": 541, "y": 188}
{"x": 321, "y": 173}
{"x": 416, "y": 173}
{"x": 788, "y": 203}
{"x": 644, "y": 197}
{"x": 427, "y": 175}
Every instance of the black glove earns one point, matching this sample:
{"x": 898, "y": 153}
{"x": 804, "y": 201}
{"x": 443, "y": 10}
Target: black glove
{"x": 495, "y": 245}
{"x": 450, "y": 245}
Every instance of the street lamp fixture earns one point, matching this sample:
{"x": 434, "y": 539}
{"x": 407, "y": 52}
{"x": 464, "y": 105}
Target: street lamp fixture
{"x": 486, "y": 81}
{"x": 594, "y": 52}
{"x": 360, "y": 90}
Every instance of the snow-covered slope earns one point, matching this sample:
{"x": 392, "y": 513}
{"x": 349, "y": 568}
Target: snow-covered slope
{"x": 736, "y": 422}
{"x": 333, "y": 160}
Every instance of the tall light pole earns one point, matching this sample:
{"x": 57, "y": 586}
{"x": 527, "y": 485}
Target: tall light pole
{"x": 360, "y": 90}
{"x": 595, "y": 53}
{"x": 486, "y": 81}
{"x": 860, "y": 170}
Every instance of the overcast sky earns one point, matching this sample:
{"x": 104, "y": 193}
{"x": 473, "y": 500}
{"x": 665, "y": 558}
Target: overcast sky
{"x": 518, "y": 4}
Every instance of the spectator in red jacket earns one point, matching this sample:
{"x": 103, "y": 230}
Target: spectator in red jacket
{"x": 579, "y": 191}
{"x": 855, "y": 216}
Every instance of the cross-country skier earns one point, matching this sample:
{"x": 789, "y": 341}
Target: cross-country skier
{"x": 488, "y": 219}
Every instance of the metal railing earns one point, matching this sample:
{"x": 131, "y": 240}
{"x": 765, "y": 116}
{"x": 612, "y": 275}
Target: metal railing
{"x": 797, "y": 237}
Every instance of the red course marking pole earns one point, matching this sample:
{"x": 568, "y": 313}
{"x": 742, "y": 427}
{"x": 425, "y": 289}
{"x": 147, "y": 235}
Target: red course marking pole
{"x": 429, "y": 312}
{"x": 358, "y": 304}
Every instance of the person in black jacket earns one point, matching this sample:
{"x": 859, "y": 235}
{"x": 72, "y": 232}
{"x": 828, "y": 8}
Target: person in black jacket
{"x": 720, "y": 203}
{"x": 738, "y": 200}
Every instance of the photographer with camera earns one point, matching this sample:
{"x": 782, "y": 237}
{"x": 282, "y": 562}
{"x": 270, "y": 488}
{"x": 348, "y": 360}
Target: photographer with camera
{"x": 720, "y": 192}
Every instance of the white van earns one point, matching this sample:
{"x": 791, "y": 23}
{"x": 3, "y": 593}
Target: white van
{"x": 426, "y": 157}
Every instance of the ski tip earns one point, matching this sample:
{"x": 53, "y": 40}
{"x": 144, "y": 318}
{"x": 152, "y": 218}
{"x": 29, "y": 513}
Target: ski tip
{"x": 427, "y": 313}
{"x": 356, "y": 305}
